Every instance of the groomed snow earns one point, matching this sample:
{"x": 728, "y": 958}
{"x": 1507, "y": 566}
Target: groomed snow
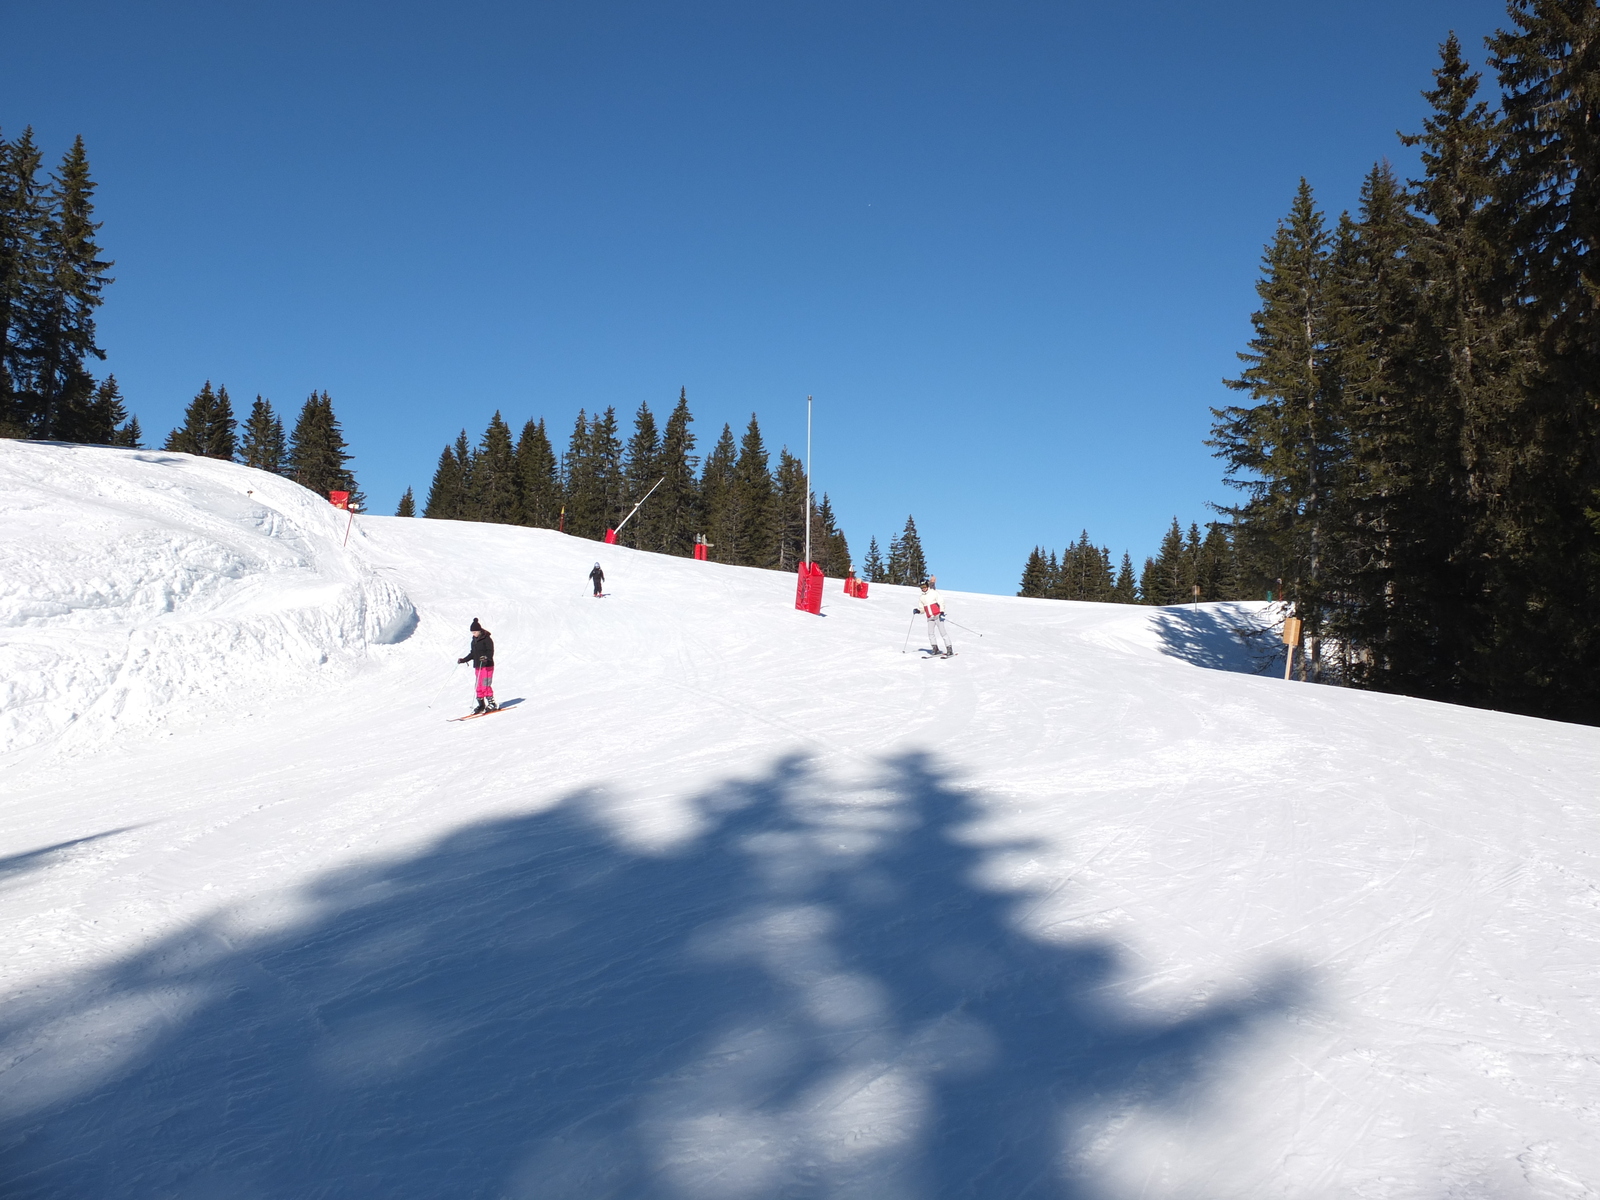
{"x": 735, "y": 901}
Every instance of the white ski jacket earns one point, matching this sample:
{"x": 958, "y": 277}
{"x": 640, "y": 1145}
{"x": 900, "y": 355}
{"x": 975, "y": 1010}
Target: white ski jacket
{"x": 932, "y": 605}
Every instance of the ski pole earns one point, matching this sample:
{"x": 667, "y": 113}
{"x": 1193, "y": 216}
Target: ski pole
{"x": 959, "y": 625}
{"x": 443, "y": 685}
{"x": 908, "y": 633}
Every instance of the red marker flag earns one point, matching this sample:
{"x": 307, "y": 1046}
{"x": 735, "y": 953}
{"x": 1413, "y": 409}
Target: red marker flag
{"x": 340, "y": 500}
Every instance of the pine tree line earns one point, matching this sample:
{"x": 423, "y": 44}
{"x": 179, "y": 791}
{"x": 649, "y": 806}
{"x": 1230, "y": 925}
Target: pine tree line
{"x": 313, "y": 455}
{"x": 1419, "y": 443}
{"x": 1084, "y": 571}
{"x": 750, "y": 512}
{"x": 51, "y": 279}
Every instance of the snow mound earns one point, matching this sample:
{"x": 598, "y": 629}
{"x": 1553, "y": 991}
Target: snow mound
{"x": 138, "y": 586}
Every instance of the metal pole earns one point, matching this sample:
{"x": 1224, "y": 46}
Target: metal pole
{"x": 639, "y": 505}
{"x": 808, "y": 480}
{"x": 907, "y": 642}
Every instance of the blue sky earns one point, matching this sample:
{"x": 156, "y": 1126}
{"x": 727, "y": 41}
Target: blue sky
{"x": 1009, "y": 247}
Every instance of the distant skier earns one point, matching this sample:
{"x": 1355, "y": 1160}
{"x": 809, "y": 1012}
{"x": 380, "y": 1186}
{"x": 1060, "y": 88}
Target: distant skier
{"x": 598, "y": 578}
{"x": 933, "y": 609}
{"x": 481, "y": 656}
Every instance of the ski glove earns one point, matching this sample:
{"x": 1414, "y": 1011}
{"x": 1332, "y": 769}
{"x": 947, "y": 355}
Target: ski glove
{"x": 462, "y": 660}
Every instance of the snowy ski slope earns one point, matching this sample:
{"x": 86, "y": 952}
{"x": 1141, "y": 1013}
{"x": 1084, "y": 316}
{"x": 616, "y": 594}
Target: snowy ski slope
{"x": 735, "y": 901}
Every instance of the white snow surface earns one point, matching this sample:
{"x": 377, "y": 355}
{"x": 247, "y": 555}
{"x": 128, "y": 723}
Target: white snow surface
{"x": 735, "y": 901}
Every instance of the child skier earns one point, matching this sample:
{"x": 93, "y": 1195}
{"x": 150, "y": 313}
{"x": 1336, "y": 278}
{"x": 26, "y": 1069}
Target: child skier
{"x": 933, "y": 609}
{"x": 482, "y": 658}
{"x": 598, "y": 578}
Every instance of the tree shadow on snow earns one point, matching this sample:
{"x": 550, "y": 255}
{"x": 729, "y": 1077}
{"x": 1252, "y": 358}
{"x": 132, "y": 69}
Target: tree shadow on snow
{"x": 811, "y": 999}
{"x": 1219, "y": 640}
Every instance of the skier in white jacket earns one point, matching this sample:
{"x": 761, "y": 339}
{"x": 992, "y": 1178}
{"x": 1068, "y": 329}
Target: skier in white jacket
{"x": 933, "y": 609}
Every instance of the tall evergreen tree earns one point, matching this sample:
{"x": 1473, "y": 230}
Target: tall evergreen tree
{"x": 264, "y": 445}
{"x": 1126, "y": 589}
{"x": 906, "y": 562}
{"x": 106, "y": 415}
{"x": 790, "y": 509}
{"x": 447, "y": 495}
{"x": 538, "y": 477}
{"x": 873, "y": 569}
{"x": 62, "y": 330}
{"x": 830, "y": 548}
{"x": 1163, "y": 578}
{"x": 130, "y": 435}
{"x": 194, "y": 436}
{"x": 1285, "y": 450}
{"x": 24, "y": 220}
{"x": 496, "y": 489}
{"x": 1035, "y": 582}
{"x": 317, "y": 456}
{"x": 678, "y": 499}
{"x": 751, "y": 496}
{"x": 407, "y": 506}
{"x": 717, "y": 498}
{"x": 585, "y": 488}
{"x": 641, "y": 470}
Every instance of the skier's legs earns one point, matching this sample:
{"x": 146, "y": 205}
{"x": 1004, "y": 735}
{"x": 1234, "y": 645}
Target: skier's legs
{"x": 485, "y": 683}
{"x": 936, "y": 630}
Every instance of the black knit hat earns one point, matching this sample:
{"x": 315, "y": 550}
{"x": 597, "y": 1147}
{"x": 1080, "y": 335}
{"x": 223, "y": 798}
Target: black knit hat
{"x": 475, "y": 627}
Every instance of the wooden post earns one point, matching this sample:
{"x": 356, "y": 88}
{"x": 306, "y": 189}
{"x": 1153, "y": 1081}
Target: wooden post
{"x": 1291, "y": 639}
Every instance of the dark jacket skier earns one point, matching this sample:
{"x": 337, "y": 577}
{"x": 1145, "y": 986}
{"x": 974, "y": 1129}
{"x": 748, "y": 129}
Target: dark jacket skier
{"x": 481, "y": 656}
{"x": 598, "y": 578}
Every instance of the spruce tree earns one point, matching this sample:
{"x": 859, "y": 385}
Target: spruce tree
{"x": 1126, "y": 589}
{"x": 537, "y": 474}
{"x": 641, "y": 471}
{"x": 752, "y": 501}
{"x": 872, "y": 567}
{"x": 605, "y": 450}
{"x": 221, "y": 440}
{"x": 1543, "y": 654}
{"x": 194, "y": 435}
{"x": 678, "y": 499}
{"x": 130, "y": 435}
{"x": 317, "y": 457}
{"x": 63, "y": 329}
{"x": 906, "y": 563}
{"x": 1164, "y": 576}
{"x": 834, "y": 552}
{"x": 718, "y": 501}
{"x": 1285, "y": 450}
{"x": 106, "y": 415}
{"x": 585, "y": 489}
{"x": 264, "y": 445}
{"x": 1034, "y": 579}
{"x": 496, "y": 490}
{"x": 447, "y": 498}
{"x": 407, "y": 506}
{"x": 24, "y": 219}
{"x": 789, "y": 511}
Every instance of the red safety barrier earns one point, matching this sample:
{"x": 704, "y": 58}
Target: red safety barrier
{"x": 808, "y": 588}
{"x": 339, "y": 499}
{"x": 611, "y": 537}
{"x": 850, "y": 584}
{"x": 700, "y": 551}
{"x": 861, "y": 589}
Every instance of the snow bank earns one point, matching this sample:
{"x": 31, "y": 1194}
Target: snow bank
{"x": 138, "y": 586}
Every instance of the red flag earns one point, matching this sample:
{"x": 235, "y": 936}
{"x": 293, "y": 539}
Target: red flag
{"x": 340, "y": 500}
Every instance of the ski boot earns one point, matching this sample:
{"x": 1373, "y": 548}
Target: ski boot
{"x": 492, "y": 705}
{"x": 480, "y": 710}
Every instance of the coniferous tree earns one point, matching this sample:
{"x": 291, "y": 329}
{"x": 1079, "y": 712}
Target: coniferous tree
{"x": 1035, "y": 581}
{"x": 24, "y": 220}
{"x": 496, "y": 491}
{"x": 106, "y": 415}
{"x": 605, "y": 449}
{"x": 752, "y": 502}
{"x": 788, "y": 514}
{"x": 718, "y": 501}
{"x": 678, "y": 499}
{"x": 447, "y": 496}
{"x": 834, "y": 552}
{"x": 317, "y": 456}
{"x": 130, "y": 435}
{"x": 872, "y": 567}
{"x": 906, "y": 563}
{"x": 538, "y": 478}
{"x": 194, "y": 435}
{"x": 1126, "y": 589}
{"x": 1163, "y": 578}
{"x": 264, "y": 445}
{"x": 641, "y": 471}
{"x": 407, "y": 506}
{"x": 1284, "y": 451}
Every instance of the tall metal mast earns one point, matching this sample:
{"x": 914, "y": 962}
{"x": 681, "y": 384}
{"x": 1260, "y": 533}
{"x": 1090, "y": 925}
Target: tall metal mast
{"x": 808, "y": 479}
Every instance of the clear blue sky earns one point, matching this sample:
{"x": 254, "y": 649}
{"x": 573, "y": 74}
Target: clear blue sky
{"x": 1009, "y": 247}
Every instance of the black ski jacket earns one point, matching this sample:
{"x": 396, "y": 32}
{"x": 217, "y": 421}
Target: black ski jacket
{"x": 482, "y": 652}
{"x": 597, "y": 576}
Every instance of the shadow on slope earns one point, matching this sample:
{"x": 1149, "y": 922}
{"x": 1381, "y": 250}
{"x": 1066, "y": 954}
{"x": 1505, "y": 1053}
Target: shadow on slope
{"x": 813, "y": 999}
{"x": 1220, "y": 639}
